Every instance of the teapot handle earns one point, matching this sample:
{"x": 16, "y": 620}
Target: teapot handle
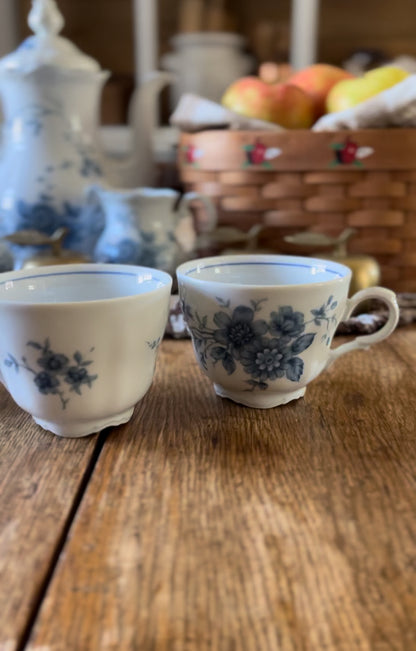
{"x": 211, "y": 216}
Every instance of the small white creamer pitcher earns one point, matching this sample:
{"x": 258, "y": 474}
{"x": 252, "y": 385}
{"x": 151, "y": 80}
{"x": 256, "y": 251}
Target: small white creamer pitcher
{"x": 149, "y": 226}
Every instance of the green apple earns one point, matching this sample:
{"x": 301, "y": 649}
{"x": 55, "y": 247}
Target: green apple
{"x": 350, "y": 92}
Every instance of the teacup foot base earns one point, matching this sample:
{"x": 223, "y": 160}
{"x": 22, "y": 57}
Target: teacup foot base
{"x": 77, "y": 430}
{"x": 258, "y": 400}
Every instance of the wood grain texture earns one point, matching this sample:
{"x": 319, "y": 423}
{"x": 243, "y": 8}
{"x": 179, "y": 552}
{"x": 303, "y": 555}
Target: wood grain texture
{"x": 301, "y": 150}
{"x": 207, "y": 525}
{"x": 39, "y": 477}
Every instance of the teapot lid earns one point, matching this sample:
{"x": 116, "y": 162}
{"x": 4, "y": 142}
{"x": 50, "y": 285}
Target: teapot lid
{"x": 46, "y": 47}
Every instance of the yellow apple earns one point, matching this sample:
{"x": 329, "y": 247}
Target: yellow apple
{"x": 350, "y": 92}
{"x": 280, "y": 103}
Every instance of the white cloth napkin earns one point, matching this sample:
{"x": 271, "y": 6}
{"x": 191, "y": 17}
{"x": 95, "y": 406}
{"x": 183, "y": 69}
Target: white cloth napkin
{"x": 194, "y": 113}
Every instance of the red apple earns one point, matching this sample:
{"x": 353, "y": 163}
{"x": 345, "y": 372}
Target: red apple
{"x": 280, "y": 103}
{"x": 317, "y": 80}
{"x": 293, "y": 107}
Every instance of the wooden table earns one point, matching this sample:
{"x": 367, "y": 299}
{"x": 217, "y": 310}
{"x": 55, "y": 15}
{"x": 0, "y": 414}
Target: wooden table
{"x": 205, "y": 525}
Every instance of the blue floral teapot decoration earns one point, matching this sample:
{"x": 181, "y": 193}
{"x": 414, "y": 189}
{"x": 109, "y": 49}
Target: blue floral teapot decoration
{"x": 50, "y": 93}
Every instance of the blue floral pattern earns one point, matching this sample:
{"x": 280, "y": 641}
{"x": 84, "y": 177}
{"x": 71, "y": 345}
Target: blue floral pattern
{"x": 265, "y": 348}
{"x": 123, "y": 251}
{"x": 84, "y": 223}
{"x": 154, "y": 344}
{"x": 36, "y": 116}
{"x": 40, "y": 216}
{"x": 152, "y": 253}
{"x": 56, "y": 374}
{"x": 53, "y": 203}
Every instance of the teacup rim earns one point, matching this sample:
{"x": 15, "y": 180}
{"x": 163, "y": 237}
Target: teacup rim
{"x": 184, "y": 269}
{"x": 83, "y": 267}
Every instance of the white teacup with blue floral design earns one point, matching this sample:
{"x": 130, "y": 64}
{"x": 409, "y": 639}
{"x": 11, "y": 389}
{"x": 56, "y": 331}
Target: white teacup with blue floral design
{"x": 78, "y": 342}
{"x": 262, "y": 325}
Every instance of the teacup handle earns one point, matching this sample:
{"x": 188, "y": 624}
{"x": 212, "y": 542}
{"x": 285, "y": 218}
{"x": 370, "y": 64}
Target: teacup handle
{"x": 210, "y": 209}
{"x": 365, "y": 341}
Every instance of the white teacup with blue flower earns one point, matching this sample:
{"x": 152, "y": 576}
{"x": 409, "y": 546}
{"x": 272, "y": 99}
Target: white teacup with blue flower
{"x": 78, "y": 342}
{"x": 262, "y": 325}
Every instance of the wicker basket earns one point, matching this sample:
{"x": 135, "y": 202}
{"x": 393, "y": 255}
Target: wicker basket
{"x": 325, "y": 182}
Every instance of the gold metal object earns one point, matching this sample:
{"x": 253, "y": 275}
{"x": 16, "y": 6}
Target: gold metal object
{"x": 365, "y": 269}
{"x": 230, "y": 240}
{"x": 56, "y": 255}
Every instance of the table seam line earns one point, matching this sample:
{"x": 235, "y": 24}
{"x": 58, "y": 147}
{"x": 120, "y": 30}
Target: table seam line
{"x": 26, "y": 634}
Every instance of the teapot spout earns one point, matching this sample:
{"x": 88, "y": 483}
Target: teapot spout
{"x": 138, "y": 168}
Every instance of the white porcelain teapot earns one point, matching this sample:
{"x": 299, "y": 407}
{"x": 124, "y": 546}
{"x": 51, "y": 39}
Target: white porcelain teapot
{"x": 50, "y": 94}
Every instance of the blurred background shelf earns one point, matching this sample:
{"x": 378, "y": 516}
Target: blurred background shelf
{"x": 107, "y": 30}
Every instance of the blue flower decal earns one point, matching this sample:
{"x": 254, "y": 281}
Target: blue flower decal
{"x": 46, "y": 382}
{"x": 286, "y": 323}
{"x": 57, "y": 370}
{"x": 76, "y": 376}
{"x": 239, "y": 329}
{"x": 154, "y": 344}
{"x": 39, "y": 216}
{"x": 266, "y": 359}
{"x": 52, "y": 362}
{"x": 90, "y": 167}
{"x": 265, "y": 349}
{"x": 320, "y": 313}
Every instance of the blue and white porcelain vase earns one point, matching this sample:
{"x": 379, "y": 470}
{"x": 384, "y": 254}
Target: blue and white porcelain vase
{"x": 50, "y": 97}
{"x": 51, "y": 142}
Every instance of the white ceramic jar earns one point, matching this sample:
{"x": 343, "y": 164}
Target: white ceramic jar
{"x": 206, "y": 63}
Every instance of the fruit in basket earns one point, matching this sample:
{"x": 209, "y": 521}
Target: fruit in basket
{"x": 317, "y": 80}
{"x": 280, "y": 103}
{"x": 273, "y": 73}
{"x": 350, "y": 92}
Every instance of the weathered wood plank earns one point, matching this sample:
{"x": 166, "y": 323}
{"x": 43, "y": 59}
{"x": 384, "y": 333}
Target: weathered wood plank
{"x": 212, "y": 526}
{"x": 404, "y": 343}
{"x": 39, "y": 478}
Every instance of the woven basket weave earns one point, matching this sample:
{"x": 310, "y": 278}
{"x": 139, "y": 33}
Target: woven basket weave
{"x": 301, "y": 180}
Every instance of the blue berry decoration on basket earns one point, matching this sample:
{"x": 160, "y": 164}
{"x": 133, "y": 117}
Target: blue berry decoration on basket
{"x": 266, "y": 349}
{"x": 56, "y": 374}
